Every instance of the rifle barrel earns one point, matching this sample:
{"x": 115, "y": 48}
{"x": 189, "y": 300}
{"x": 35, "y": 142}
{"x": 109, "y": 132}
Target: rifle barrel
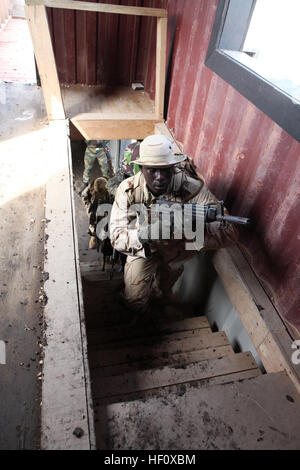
{"x": 235, "y": 220}
{"x": 210, "y": 212}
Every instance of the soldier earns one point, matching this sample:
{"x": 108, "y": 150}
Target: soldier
{"x": 129, "y": 167}
{"x": 148, "y": 270}
{"x": 94, "y": 194}
{"x": 96, "y": 149}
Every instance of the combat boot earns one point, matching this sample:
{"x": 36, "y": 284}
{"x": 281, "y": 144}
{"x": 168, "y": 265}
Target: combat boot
{"x": 93, "y": 243}
{"x": 85, "y": 185}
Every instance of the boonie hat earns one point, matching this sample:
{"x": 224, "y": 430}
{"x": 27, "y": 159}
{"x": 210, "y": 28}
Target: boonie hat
{"x": 158, "y": 151}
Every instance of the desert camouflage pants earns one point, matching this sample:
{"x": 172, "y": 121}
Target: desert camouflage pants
{"x": 104, "y": 159}
{"x": 154, "y": 276}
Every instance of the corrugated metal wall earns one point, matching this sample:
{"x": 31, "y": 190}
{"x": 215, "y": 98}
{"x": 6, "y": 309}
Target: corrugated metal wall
{"x": 96, "y": 48}
{"x": 246, "y": 158}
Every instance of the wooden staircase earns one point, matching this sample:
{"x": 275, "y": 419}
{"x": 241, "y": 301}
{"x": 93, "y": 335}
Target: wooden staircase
{"x": 158, "y": 359}
{"x": 140, "y": 361}
{"x": 171, "y": 383}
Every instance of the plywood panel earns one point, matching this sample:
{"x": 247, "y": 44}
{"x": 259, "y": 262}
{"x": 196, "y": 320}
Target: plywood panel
{"x": 114, "y": 129}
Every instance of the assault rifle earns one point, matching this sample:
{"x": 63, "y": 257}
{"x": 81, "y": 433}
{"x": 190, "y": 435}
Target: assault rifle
{"x": 211, "y": 213}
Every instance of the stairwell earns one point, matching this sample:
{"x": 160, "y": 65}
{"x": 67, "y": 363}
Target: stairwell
{"x": 170, "y": 382}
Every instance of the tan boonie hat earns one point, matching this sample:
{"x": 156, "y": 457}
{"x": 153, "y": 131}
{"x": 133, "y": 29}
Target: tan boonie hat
{"x": 158, "y": 151}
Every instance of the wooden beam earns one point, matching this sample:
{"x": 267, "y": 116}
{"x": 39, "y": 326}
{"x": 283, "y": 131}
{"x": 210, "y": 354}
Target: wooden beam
{"x": 66, "y": 389}
{"x": 116, "y": 117}
{"x": 43, "y": 50}
{"x": 114, "y": 128}
{"x": 262, "y": 322}
{"x": 74, "y": 133}
{"x": 161, "y": 51}
{"x": 100, "y": 7}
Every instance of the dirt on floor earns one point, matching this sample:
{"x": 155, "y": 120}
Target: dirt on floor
{"x": 22, "y": 198}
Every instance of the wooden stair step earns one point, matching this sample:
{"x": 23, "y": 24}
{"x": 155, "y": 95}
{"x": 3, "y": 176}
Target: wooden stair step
{"x": 179, "y": 389}
{"x": 169, "y": 375}
{"x": 172, "y": 360}
{"x": 108, "y": 309}
{"x": 260, "y": 413}
{"x": 110, "y": 334}
{"x": 204, "y": 339}
{"x": 103, "y": 305}
{"x": 97, "y": 275}
{"x": 147, "y": 341}
{"x": 101, "y": 299}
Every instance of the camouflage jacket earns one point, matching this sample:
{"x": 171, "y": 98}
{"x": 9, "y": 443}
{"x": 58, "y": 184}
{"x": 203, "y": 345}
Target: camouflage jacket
{"x": 182, "y": 188}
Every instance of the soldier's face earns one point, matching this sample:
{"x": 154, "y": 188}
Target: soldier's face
{"x": 158, "y": 179}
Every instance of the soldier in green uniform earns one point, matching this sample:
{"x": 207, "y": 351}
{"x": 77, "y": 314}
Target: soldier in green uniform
{"x": 128, "y": 167}
{"x": 97, "y": 149}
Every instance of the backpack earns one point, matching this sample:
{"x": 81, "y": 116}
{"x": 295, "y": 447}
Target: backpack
{"x": 190, "y": 169}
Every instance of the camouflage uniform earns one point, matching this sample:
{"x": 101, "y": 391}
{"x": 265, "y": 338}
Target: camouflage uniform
{"x": 145, "y": 275}
{"x": 130, "y": 155}
{"x": 97, "y": 150}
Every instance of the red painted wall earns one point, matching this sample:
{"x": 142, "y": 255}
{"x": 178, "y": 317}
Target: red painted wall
{"x": 246, "y": 158}
{"x": 95, "y": 48}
